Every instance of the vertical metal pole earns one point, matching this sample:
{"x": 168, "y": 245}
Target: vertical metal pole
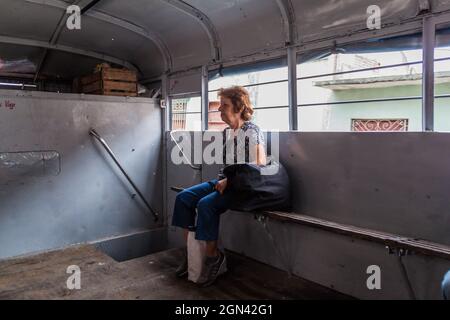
{"x": 166, "y": 126}
{"x": 428, "y": 42}
{"x": 292, "y": 84}
{"x": 205, "y": 105}
{"x": 205, "y": 97}
{"x": 168, "y": 111}
{"x": 169, "y": 117}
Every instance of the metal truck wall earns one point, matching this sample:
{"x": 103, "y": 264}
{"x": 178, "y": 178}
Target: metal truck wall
{"x": 385, "y": 181}
{"x": 58, "y": 186}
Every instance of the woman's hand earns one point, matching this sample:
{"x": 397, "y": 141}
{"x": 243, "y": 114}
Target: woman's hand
{"x": 221, "y": 186}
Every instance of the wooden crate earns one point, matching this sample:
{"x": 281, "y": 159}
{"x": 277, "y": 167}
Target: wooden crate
{"x": 111, "y": 82}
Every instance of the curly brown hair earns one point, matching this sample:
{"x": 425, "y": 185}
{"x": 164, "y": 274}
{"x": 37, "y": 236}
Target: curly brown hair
{"x": 240, "y": 98}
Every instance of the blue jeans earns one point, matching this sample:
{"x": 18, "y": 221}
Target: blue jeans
{"x": 210, "y": 204}
{"x": 446, "y": 286}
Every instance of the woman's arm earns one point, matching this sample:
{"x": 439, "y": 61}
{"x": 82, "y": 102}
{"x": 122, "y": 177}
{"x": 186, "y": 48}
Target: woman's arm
{"x": 261, "y": 158}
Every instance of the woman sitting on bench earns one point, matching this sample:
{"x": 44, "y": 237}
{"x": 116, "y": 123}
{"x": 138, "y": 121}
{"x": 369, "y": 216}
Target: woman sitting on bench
{"x": 210, "y": 198}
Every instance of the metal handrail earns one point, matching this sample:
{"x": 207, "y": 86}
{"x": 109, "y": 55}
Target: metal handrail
{"x": 199, "y": 168}
{"x": 94, "y": 133}
{"x": 257, "y": 84}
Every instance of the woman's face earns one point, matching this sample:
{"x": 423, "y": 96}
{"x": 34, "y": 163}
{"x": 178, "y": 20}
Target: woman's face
{"x": 227, "y": 111}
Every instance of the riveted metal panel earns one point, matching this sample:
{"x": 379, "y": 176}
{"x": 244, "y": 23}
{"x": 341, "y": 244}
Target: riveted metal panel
{"x": 89, "y": 199}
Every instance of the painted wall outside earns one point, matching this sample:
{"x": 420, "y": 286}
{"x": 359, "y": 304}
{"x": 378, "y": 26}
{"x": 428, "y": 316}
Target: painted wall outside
{"x": 339, "y": 117}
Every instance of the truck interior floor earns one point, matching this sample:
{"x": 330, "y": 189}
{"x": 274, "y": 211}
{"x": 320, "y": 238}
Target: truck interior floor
{"x": 44, "y": 276}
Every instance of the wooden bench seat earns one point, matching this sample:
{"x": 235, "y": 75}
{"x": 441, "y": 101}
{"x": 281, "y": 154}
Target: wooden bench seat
{"x": 390, "y": 240}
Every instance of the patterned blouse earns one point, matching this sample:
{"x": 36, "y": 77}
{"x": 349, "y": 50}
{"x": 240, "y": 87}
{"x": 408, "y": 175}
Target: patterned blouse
{"x": 239, "y": 145}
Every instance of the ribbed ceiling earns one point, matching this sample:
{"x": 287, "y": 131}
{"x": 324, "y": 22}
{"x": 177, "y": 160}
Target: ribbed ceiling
{"x": 154, "y": 36}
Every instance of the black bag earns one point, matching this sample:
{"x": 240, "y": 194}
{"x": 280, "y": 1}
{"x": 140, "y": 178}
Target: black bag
{"x": 253, "y": 191}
